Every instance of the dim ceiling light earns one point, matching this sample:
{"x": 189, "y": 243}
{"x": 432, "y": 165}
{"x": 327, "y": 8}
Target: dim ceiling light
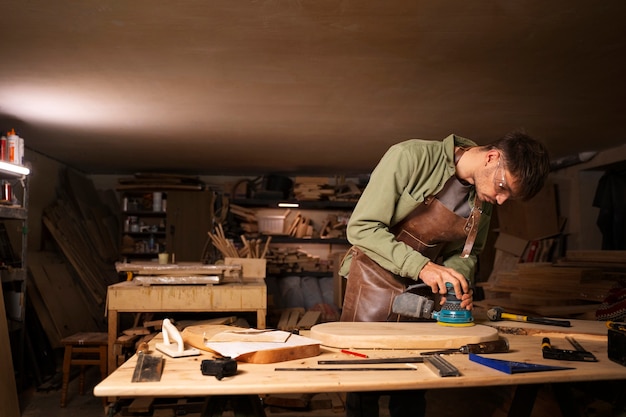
{"x": 16, "y": 169}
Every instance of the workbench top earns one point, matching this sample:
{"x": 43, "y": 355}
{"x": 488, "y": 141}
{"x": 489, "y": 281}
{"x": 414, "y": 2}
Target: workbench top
{"x": 182, "y": 376}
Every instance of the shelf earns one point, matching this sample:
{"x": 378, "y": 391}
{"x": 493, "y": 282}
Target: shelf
{"x": 145, "y": 234}
{"x": 321, "y": 204}
{"x": 13, "y": 212}
{"x": 140, "y": 254}
{"x": 290, "y": 239}
{"x": 13, "y": 171}
{"x": 145, "y": 213}
{"x": 12, "y": 275}
{"x": 315, "y": 274}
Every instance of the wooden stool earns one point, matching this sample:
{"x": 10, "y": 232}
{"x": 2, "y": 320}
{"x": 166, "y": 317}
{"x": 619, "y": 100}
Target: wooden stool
{"x": 83, "y": 349}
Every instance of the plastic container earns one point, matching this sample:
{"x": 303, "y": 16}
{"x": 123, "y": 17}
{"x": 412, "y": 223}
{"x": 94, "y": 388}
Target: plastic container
{"x": 271, "y": 222}
{"x": 13, "y": 147}
{"x": 4, "y": 155}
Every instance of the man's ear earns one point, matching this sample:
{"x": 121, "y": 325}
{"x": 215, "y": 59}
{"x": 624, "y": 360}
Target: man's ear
{"x": 491, "y": 156}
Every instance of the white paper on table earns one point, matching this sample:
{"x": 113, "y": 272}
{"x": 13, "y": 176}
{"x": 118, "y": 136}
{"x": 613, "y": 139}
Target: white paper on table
{"x": 250, "y": 335}
{"x": 236, "y": 349}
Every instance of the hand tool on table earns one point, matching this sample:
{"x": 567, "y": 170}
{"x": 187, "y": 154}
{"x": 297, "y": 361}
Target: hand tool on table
{"x": 580, "y": 354}
{"x": 436, "y": 363}
{"x": 616, "y": 325}
{"x": 512, "y": 367}
{"x": 413, "y": 305}
{"x": 407, "y": 359}
{"x": 176, "y": 349}
{"x": 148, "y": 367}
{"x": 346, "y": 369}
{"x": 219, "y": 367}
{"x": 616, "y": 349}
{"x": 440, "y": 366}
{"x": 497, "y": 314}
{"x": 495, "y": 346}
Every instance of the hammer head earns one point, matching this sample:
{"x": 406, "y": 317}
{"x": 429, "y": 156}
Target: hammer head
{"x": 495, "y": 313}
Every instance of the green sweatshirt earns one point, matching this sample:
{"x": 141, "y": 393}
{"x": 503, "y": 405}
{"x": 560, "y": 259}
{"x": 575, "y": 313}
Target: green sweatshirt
{"x": 409, "y": 172}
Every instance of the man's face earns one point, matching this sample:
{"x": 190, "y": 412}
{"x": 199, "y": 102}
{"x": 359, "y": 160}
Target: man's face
{"x": 495, "y": 183}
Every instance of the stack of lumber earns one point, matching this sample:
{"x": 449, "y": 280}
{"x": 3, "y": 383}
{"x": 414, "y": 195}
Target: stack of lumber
{"x": 160, "y": 182}
{"x": 348, "y": 191}
{"x": 63, "y": 308}
{"x": 247, "y": 218}
{"x": 304, "y": 404}
{"x": 572, "y": 286}
{"x": 85, "y": 230}
{"x": 312, "y": 189}
{"x": 249, "y": 248}
{"x": 301, "y": 227}
{"x": 320, "y": 188}
{"x": 334, "y": 227}
{"x": 294, "y": 260}
{"x": 298, "y": 319}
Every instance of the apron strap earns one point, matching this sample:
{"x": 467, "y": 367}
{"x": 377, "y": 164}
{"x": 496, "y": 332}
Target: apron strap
{"x": 472, "y": 227}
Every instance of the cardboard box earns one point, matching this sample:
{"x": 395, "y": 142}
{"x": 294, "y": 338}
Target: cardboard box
{"x": 253, "y": 269}
{"x": 533, "y": 219}
{"x": 511, "y": 244}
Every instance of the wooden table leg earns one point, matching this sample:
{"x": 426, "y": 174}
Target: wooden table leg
{"x": 260, "y": 319}
{"x": 67, "y": 361}
{"x": 241, "y": 405}
{"x": 523, "y": 400}
{"x": 565, "y": 398}
{"x": 113, "y": 323}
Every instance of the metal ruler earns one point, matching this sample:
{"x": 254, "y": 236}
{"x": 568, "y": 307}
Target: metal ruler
{"x": 435, "y": 363}
{"x": 440, "y": 366}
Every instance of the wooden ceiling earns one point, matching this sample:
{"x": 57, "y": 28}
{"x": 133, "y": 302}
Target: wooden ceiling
{"x": 304, "y": 86}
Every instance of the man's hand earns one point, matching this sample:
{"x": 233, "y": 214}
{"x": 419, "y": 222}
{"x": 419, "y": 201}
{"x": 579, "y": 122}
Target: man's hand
{"x": 436, "y": 276}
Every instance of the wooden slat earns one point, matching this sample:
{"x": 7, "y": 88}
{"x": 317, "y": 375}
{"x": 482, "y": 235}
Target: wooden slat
{"x": 62, "y": 302}
{"x": 8, "y": 387}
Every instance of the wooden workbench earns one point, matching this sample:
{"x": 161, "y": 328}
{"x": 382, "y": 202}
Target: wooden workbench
{"x": 130, "y": 297}
{"x": 182, "y": 376}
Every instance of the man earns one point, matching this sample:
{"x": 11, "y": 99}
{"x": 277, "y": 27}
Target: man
{"x": 424, "y": 217}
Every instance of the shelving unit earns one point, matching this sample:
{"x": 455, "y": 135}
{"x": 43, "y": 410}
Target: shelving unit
{"x": 144, "y": 224}
{"x": 326, "y": 206}
{"x": 165, "y": 220}
{"x": 329, "y": 250}
{"x": 13, "y": 218}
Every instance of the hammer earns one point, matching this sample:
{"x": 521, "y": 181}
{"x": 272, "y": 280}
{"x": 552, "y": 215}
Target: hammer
{"x": 496, "y": 314}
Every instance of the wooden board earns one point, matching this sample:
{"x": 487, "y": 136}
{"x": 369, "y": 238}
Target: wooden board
{"x": 8, "y": 387}
{"x": 181, "y": 268}
{"x": 296, "y": 347}
{"x": 399, "y": 335}
{"x": 580, "y": 329}
{"x": 178, "y": 280}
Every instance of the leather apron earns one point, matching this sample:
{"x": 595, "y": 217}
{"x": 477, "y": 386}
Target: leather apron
{"x": 371, "y": 289}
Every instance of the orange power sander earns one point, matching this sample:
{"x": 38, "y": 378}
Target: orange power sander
{"x": 413, "y": 305}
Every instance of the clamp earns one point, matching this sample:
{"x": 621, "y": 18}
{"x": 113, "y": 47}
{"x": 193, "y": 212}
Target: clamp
{"x": 580, "y": 354}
